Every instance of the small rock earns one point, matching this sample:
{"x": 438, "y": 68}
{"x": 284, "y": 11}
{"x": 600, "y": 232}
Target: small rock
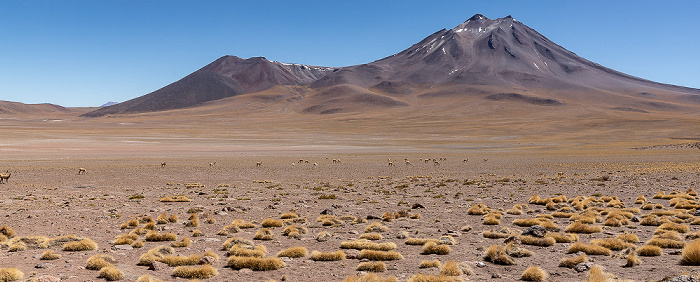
{"x": 535, "y": 231}
{"x": 354, "y": 232}
{"x": 369, "y": 217}
{"x": 480, "y": 264}
{"x": 635, "y": 219}
{"x": 675, "y": 252}
{"x": 47, "y": 278}
{"x": 584, "y": 266}
{"x": 207, "y": 260}
{"x": 328, "y": 212}
{"x": 272, "y": 207}
{"x": 245, "y": 270}
{"x": 495, "y": 275}
{"x": 44, "y": 265}
{"x": 697, "y": 212}
{"x": 123, "y": 247}
{"x": 352, "y": 254}
{"x": 683, "y": 278}
{"x": 158, "y": 266}
{"x": 417, "y": 206}
{"x": 402, "y": 235}
{"x": 514, "y": 239}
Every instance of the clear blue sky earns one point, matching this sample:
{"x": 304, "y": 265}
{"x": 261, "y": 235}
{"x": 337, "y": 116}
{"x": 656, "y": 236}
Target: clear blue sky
{"x": 88, "y": 52}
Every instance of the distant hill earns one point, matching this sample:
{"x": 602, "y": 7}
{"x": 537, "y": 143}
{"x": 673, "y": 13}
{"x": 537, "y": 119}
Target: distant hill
{"x": 108, "y": 104}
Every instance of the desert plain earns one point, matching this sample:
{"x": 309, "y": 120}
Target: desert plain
{"x": 331, "y": 179}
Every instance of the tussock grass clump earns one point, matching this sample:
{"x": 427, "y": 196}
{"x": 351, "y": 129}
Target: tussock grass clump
{"x": 131, "y": 224}
{"x": 563, "y": 237}
{"x": 612, "y": 243}
{"x": 242, "y": 250}
{"x": 666, "y": 243}
{"x": 154, "y": 236}
{"x": 681, "y": 228}
{"x": 371, "y": 236}
{"x": 49, "y": 255}
{"x": 329, "y": 220}
{"x": 451, "y": 268}
{"x": 491, "y": 220}
{"x": 650, "y": 220}
{"x": 111, "y": 273}
{"x": 380, "y": 255}
{"x": 433, "y": 278}
{"x": 289, "y": 215}
{"x": 197, "y": 233}
{"x": 8, "y": 232}
{"x": 148, "y": 278}
{"x": 155, "y": 254}
{"x": 628, "y": 237}
{"x": 534, "y": 273}
{"x": 640, "y": 200}
{"x": 264, "y": 234}
{"x": 537, "y": 241}
{"x": 419, "y": 241}
{"x": 429, "y": 264}
{"x": 632, "y": 260}
{"x": 327, "y": 256}
{"x": 186, "y": 242}
{"x": 370, "y": 277}
{"x": 691, "y": 253}
{"x": 504, "y": 232}
{"x": 269, "y": 222}
{"x": 181, "y": 260}
{"x": 571, "y": 262}
{"x": 579, "y": 227}
{"x": 589, "y": 249}
{"x": 434, "y": 248}
{"x": 293, "y": 252}
{"x": 294, "y": 231}
{"x": 497, "y": 254}
{"x": 125, "y": 239}
{"x": 195, "y": 272}
{"x": 376, "y": 227}
{"x": 649, "y": 251}
{"x": 180, "y": 198}
{"x": 526, "y": 222}
{"x": 372, "y": 266}
{"x": 363, "y": 244}
{"x": 18, "y": 246}
{"x": 99, "y": 261}
{"x": 192, "y": 221}
{"x": 137, "y": 244}
{"x": 86, "y": 244}
{"x": 323, "y": 236}
{"x": 478, "y": 209}
{"x": 256, "y": 264}
{"x": 10, "y": 274}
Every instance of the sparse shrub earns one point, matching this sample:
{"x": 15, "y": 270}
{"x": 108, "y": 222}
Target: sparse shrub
{"x": 195, "y": 272}
{"x": 182, "y": 244}
{"x": 534, "y": 273}
{"x": 450, "y": 268}
{"x": 86, "y": 244}
{"x": 433, "y": 278}
{"x": 579, "y": 227}
{"x": 327, "y": 256}
{"x": 588, "y": 249}
{"x": 18, "y": 247}
{"x": 371, "y": 236}
{"x": 8, "y": 232}
{"x": 154, "y": 236}
{"x": 434, "y": 248}
{"x": 255, "y": 264}
{"x": 376, "y": 227}
{"x": 649, "y": 251}
{"x": 570, "y": 262}
{"x": 193, "y": 221}
{"x": 293, "y": 252}
{"x": 10, "y": 274}
{"x": 632, "y": 260}
{"x": 49, "y": 255}
{"x": 691, "y": 253}
{"x": 137, "y": 244}
{"x": 99, "y": 261}
{"x": 111, "y": 273}
{"x": 269, "y": 222}
{"x": 563, "y": 237}
{"x": 497, "y": 254}
{"x": 264, "y": 234}
{"x": 197, "y": 233}
{"x": 323, "y": 236}
{"x": 372, "y": 266}
{"x": 537, "y": 241}
{"x": 380, "y": 255}
{"x": 429, "y": 264}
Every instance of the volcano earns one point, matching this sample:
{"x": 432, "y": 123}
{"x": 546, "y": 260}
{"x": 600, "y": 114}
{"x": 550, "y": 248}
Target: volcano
{"x": 499, "y": 60}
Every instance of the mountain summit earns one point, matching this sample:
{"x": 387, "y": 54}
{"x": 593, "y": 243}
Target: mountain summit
{"x": 497, "y": 60}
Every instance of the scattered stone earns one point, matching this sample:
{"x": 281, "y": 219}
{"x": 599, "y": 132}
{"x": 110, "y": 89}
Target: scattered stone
{"x": 480, "y": 264}
{"x": 158, "y": 266}
{"x": 270, "y": 207}
{"x": 122, "y": 247}
{"x": 402, "y": 235}
{"x": 495, "y": 276}
{"x": 635, "y": 219}
{"x": 354, "y": 232}
{"x": 328, "y": 212}
{"x": 369, "y": 217}
{"x": 535, "y": 231}
{"x": 44, "y": 265}
{"x": 207, "y": 260}
{"x": 47, "y": 278}
{"x": 352, "y": 254}
{"x": 584, "y": 266}
{"x": 417, "y": 206}
{"x": 675, "y": 252}
{"x": 682, "y": 278}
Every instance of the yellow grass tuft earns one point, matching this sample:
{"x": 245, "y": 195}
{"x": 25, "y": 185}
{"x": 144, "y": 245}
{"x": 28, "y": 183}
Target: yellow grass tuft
{"x": 18, "y": 246}
{"x": 111, "y": 273}
{"x": 433, "y": 278}
{"x": 363, "y": 244}
{"x": 589, "y": 249}
{"x": 256, "y": 264}
{"x": 193, "y": 221}
{"x": 372, "y": 266}
{"x": 10, "y": 274}
{"x": 526, "y": 222}
{"x": 154, "y": 236}
{"x": 186, "y": 242}
{"x": 497, "y": 254}
{"x": 99, "y": 261}
{"x": 180, "y": 198}
{"x": 195, "y": 272}
{"x": 181, "y": 260}
{"x": 376, "y": 227}
{"x": 380, "y": 255}
{"x": 371, "y": 236}
{"x": 429, "y": 264}
{"x": 243, "y": 250}
{"x": 451, "y": 269}
{"x": 293, "y": 252}
{"x": 419, "y": 241}
{"x": 691, "y": 253}
{"x": 148, "y": 278}
{"x": 370, "y": 277}
{"x": 264, "y": 234}
{"x": 289, "y": 215}
{"x": 570, "y": 262}
{"x": 197, "y": 233}
{"x": 434, "y": 248}
{"x": 666, "y": 243}
{"x": 579, "y": 227}
{"x": 612, "y": 243}
{"x": 649, "y": 251}
{"x": 534, "y": 273}
{"x": 478, "y": 209}
{"x": 327, "y": 256}
{"x": 537, "y": 241}
{"x": 681, "y": 228}
{"x": 628, "y": 237}
{"x": 269, "y": 222}
{"x": 49, "y": 255}
{"x": 632, "y": 260}
{"x": 7, "y": 231}
{"x": 86, "y": 244}
{"x": 563, "y": 237}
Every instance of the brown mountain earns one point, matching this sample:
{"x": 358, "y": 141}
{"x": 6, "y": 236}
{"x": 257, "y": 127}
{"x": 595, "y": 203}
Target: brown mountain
{"x": 497, "y": 62}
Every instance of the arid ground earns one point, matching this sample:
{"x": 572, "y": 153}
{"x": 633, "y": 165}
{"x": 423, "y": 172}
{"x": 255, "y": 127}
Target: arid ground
{"x": 217, "y": 170}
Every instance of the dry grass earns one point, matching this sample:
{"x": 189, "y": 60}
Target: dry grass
{"x": 49, "y": 255}
{"x": 99, "y": 261}
{"x": 264, "y": 234}
{"x": 242, "y": 250}
{"x": 434, "y": 248}
{"x": 429, "y": 264}
{"x": 193, "y": 221}
{"x": 632, "y": 260}
{"x": 7, "y": 231}
{"x": 195, "y": 272}
{"x": 148, "y": 278}
{"x": 649, "y": 251}
{"x": 376, "y": 227}
{"x": 111, "y": 273}
{"x": 491, "y": 220}
{"x": 570, "y": 262}
{"x": 181, "y": 260}
{"x": 534, "y": 273}
{"x": 186, "y": 242}
{"x": 451, "y": 269}
{"x": 537, "y": 241}
{"x": 289, "y": 215}
{"x": 691, "y": 253}
{"x": 526, "y": 222}
{"x": 563, "y": 237}
{"x": 628, "y": 237}
{"x": 10, "y": 274}
{"x": 235, "y": 240}
{"x": 293, "y": 252}
{"x": 681, "y": 228}
{"x": 269, "y": 222}
{"x": 478, "y": 209}
{"x": 666, "y": 243}
{"x": 371, "y": 236}
{"x": 380, "y": 255}
{"x": 580, "y": 227}
{"x": 589, "y": 249}
{"x": 612, "y": 243}
{"x": 433, "y": 278}
{"x": 370, "y": 277}
{"x": 86, "y": 244}
{"x": 180, "y": 198}
{"x": 327, "y": 256}
{"x": 497, "y": 254}
{"x": 419, "y": 241}
{"x": 372, "y": 266}
{"x": 18, "y": 247}
{"x": 256, "y": 264}
{"x": 363, "y": 244}
{"x": 154, "y": 236}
